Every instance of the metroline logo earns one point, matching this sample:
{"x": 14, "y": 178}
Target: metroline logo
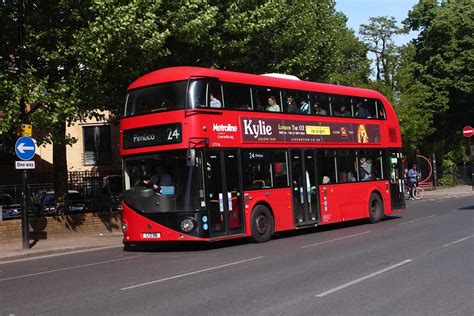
{"x": 224, "y": 128}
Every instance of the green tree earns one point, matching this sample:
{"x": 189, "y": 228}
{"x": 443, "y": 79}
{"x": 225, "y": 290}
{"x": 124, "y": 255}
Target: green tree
{"x": 413, "y": 112}
{"x": 378, "y": 35}
{"x": 79, "y": 57}
{"x": 441, "y": 66}
{"x": 51, "y": 77}
{"x": 352, "y": 64}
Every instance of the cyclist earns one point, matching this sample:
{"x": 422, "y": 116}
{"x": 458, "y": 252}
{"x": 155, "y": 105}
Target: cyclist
{"x": 413, "y": 180}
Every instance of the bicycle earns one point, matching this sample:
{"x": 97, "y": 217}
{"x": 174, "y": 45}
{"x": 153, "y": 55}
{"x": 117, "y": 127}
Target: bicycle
{"x": 418, "y": 192}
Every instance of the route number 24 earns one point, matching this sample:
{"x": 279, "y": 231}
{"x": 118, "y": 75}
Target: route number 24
{"x": 173, "y": 134}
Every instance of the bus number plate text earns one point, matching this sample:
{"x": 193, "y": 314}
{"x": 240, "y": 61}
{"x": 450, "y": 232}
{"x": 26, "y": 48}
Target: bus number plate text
{"x": 151, "y": 235}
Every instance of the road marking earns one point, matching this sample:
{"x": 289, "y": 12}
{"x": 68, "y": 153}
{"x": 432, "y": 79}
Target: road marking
{"x": 328, "y": 241}
{"x": 416, "y": 220}
{"x": 457, "y": 241}
{"x": 64, "y": 269}
{"x": 189, "y": 273}
{"x": 340, "y": 287}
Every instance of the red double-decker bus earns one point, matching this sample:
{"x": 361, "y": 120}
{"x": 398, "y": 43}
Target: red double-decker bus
{"x": 211, "y": 154}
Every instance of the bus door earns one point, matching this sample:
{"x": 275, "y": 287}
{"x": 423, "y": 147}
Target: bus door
{"x": 224, "y": 197}
{"x": 304, "y": 187}
{"x": 395, "y": 167}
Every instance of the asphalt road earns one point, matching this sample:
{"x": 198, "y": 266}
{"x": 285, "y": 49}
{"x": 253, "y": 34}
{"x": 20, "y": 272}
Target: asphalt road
{"x": 418, "y": 263}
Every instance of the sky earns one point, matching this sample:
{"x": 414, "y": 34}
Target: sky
{"x": 359, "y": 11}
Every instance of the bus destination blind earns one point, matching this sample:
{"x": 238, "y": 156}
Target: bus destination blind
{"x": 152, "y": 136}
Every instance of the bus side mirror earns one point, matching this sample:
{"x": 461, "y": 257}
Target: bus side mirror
{"x": 191, "y": 157}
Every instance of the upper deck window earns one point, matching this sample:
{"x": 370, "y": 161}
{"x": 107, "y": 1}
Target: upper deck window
{"x": 364, "y": 108}
{"x": 266, "y": 99}
{"x": 214, "y": 94}
{"x": 162, "y": 97}
{"x": 237, "y": 96}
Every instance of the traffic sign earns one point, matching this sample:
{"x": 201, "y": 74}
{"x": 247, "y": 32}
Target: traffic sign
{"x": 26, "y": 130}
{"x": 24, "y": 164}
{"x": 25, "y": 148}
{"x": 468, "y": 131}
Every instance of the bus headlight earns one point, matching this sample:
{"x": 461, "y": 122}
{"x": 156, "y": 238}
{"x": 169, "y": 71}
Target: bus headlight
{"x": 187, "y": 225}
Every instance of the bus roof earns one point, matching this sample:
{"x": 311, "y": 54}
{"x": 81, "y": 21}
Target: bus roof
{"x": 184, "y": 73}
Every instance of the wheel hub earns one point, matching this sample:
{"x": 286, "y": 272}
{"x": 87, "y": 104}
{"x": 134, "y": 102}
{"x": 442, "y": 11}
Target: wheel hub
{"x": 262, "y": 224}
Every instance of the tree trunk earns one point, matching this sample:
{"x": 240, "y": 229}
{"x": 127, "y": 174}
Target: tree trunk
{"x": 377, "y": 63}
{"x": 60, "y": 169}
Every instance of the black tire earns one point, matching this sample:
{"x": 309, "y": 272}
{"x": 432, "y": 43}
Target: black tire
{"x": 375, "y": 208}
{"x": 262, "y": 224}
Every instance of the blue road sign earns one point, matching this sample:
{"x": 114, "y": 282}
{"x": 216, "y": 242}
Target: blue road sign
{"x": 25, "y": 148}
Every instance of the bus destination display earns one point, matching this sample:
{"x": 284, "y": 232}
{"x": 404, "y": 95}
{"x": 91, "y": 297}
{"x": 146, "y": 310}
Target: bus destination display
{"x": 152, "y": 136}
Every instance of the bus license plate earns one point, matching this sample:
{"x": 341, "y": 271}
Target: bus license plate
{"x": 151, "y": 235}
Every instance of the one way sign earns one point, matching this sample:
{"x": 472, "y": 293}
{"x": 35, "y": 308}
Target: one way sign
{"x": 25, "y": 148}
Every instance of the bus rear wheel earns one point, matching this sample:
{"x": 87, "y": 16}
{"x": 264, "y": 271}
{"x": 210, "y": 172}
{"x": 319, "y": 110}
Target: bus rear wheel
{"x": 375, "y": 208}
{"x": 262, "y": 224}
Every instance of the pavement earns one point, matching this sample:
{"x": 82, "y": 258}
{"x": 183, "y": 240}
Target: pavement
{"x": 13, "y": 251}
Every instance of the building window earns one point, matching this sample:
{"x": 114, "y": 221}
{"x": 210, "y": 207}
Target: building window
{"x": 97, "y": 145}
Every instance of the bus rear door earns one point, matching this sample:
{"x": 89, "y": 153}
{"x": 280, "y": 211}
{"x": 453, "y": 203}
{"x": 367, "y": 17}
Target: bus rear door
{"x": 396, "y": 179}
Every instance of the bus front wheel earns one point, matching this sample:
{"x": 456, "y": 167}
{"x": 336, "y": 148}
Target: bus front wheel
{"x": 262, "y": 224}
{"x": 375, "y": 208}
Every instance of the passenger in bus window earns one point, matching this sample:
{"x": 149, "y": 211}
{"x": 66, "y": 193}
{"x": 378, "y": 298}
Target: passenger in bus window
{"x": 365, "y": 169}
{"x": 304, "y": 107}
{"x": 326, "y": 180}
{"x": 214, "y": 102}
{"x": 272, "y": 105}
{"x": 381, "y": 114}
{"x": 361, "y": 112}
{"x": 291, "y": 105}
{"x": 343, "y": 111}
{"x": 318, "y": 110}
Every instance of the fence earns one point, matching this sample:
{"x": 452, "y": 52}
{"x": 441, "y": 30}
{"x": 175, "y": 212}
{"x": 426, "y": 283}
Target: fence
{"x": 463, "y": 173}
{"x": 92, "y": 186}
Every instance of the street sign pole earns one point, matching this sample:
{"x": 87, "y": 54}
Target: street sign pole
{"x": 25, "y": 226}
{"x": 468, "y": 131}
{"x": 25, "y": 149}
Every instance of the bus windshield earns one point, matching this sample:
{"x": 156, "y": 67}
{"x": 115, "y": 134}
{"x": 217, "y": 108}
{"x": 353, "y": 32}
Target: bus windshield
{"x": 173, "y": 174}
{"x": 162, "y": 97}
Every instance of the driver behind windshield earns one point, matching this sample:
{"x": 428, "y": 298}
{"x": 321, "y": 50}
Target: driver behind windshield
{"x": 159, "y": 178}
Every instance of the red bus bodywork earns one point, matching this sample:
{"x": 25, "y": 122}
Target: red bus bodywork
{"x": 337, "y": 202}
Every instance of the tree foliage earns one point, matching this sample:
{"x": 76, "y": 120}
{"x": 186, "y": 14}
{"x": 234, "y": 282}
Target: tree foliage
{"x": 378, "y": 35}
{"x": 79, "y": 56}
{"x": 437, "y": 79}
